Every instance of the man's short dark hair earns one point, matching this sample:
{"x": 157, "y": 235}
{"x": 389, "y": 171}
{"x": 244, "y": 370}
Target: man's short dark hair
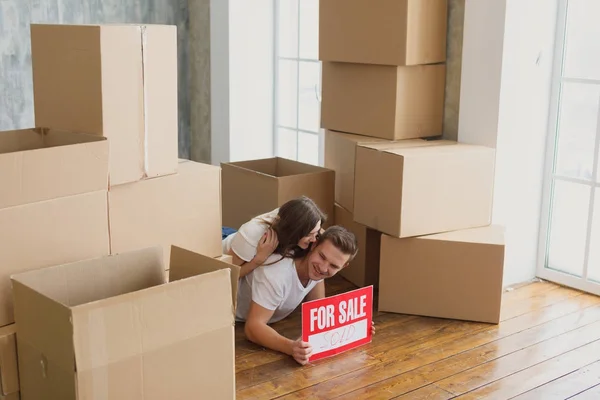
{"x": 342, "y": 239}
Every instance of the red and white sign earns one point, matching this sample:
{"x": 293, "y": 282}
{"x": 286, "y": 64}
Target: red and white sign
{"x": 338, "y": 323}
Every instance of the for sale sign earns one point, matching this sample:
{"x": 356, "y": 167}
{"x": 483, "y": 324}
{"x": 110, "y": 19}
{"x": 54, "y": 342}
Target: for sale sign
{"x": 338, "y": 323}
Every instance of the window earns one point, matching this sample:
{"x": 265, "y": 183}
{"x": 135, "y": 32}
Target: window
{"x": 297, "y": 112}
{"x": 570, "y": 230}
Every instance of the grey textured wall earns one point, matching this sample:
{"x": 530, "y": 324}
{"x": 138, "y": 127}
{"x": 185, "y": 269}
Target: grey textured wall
{"x": 456, "y": 19}
{"x": 199, "y": 16}
{"x": 16, "y": 87}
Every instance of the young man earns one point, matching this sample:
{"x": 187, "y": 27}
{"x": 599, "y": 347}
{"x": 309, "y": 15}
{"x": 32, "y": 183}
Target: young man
{"x": 271, "y": 292}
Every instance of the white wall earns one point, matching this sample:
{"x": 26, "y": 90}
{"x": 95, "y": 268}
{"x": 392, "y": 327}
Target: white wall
{"x": 242, "y": 79}
{"x": 505, "y": 98}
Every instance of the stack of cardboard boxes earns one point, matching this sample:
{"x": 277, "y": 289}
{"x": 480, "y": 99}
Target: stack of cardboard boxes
{"x": 420, "y": 206}
{"x": 95, "y": 208}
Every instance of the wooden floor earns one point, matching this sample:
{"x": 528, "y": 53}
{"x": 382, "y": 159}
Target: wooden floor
{"x": 546, "y": 347}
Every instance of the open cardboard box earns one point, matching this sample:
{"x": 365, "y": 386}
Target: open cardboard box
{"x": 112, "y": 327}
{"x": 251, "y": 188}
{"x": 41, "y": 164}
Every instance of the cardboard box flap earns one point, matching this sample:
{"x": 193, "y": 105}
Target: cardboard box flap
{"x": 287, "y": 167}
{"x": 185, "y": 264}
{"x": 96, "y": 279}
{"x": 9, "y": 373}
{"x": 20, "y": 140}
{"x": 136, "y": 324}
{"x": 492, "y": 234}
{"x": 41, "y": 138}
{"x": 44, "y": 325}
{"x": 266, "y": 166}
{"x": 55, "y": 137}
{"x": 278, "y": 167}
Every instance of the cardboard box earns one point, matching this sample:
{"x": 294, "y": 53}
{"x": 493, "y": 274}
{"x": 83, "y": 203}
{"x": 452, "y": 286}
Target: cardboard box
{"x": 340, "y": 156}
{"x": 424, "y": 190}
{"x": 42, "y": 164}
{"x": 183, "y": 209}
{"x": 383, "y": 101}
{"x": 455, "y": 275}
{"x": 254, "y": 187}
{"x": 364, "y": 269}
{"x": 9, "y": 372}
{"x": 119, "y": 81}
{"x": 113, "y": 328}
{"x": 50, "y": 232}
{"x": 395, "y": 32}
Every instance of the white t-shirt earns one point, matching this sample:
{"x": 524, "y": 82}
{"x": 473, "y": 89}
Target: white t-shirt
{"x": 274, "y": 287}
{"x": 245, "y": 240}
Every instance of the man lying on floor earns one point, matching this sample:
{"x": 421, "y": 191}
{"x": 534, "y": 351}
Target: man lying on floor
{"x": 271, "y": 292}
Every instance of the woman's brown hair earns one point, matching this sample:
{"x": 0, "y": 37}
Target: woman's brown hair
{"x": 295, "y": 220}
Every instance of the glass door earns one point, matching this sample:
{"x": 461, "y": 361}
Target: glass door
{"x": 569, "y": 251}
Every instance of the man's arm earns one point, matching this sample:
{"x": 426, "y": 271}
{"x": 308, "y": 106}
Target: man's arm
{"x": 259, "y": 332}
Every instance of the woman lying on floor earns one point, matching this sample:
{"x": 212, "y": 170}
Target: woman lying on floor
{"x": 288, "y": 230}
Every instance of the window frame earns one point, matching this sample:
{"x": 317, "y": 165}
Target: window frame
{"x": 276, "y": 107}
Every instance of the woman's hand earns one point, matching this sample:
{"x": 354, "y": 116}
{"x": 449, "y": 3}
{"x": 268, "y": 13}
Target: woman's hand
{"x": 267, "y": 245}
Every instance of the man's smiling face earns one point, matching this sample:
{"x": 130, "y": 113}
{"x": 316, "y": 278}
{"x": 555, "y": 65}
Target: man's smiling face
{"x": 325, "y": 260}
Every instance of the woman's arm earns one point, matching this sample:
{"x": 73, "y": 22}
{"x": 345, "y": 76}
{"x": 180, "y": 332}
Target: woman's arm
{"x": 267, "y": 244}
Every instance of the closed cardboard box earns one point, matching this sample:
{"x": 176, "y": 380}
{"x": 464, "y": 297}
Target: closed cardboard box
{"x": 340, "y": 156}
{"x": 424, "y": 190}
{"x": 391, "y": 32}
{"x": 183, "y": 209}
{"x": 9, "y": 372}
{"x": 50, "y": 232}
{"x": 364, "y": 269}
{"x": 119, "y": 81}
{"x": 113, "y": 328}
{"x": 455, "y": 275}
{"x": 254, "y": 187}
{"x": 383, "y": 101}
{"x": 42, "y": 164}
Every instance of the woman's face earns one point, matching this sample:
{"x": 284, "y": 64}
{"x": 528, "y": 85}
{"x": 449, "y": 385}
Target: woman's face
{"x": 306, "y": 241}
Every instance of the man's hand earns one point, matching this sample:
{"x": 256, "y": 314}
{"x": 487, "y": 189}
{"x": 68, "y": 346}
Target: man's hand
{"x": 301, "y": 351}
{"x": 372, "y": 328}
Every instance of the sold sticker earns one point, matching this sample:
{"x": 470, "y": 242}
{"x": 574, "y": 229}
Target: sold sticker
{"x": 338, "y": 323}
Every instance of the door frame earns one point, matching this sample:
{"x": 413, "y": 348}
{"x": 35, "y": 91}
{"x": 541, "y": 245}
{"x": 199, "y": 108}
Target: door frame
{"x": 562, "y": 278}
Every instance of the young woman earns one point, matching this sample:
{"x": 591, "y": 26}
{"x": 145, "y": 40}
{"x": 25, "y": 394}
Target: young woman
{"x": 288, "y": 231}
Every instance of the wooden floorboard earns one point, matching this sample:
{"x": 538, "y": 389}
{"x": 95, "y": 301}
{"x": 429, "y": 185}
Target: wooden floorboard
{"x": 547, "y": 345}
